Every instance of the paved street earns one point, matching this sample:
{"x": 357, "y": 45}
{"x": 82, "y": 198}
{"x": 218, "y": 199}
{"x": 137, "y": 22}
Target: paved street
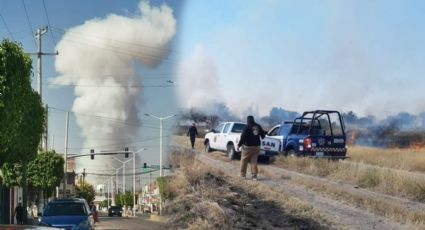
{"x": 139, "y": 222}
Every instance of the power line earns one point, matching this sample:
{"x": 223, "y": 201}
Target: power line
{"x": 114, "y": 48}
{"x": 28, "y": 21}
{"x": 119, "y": 144}
{"x": 157, "y": 76}
{"x": 112, "y": 86}
{"x": 127, "y": 174}
{"x": 60, "y": 30}
{"x": 95, "y": 116}
{"x": 48, "y": 22}
{"x": 123, "y": 122}
{"x": 120, "y": 50}
{"x": 7, "y": 27}
{"x": 21, "y": 34}
{"x": 122, "y": 143}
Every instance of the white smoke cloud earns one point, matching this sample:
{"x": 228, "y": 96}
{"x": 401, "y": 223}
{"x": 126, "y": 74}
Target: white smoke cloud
{"x": 198, "y": 81}
{"x": 103, "y": 52}
{"x": 348, "y": 60}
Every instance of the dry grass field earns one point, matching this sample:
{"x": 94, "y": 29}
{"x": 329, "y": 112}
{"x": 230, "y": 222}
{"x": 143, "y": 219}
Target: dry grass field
{"x": 398, "y": 183}
{"x": 411, "y": 159}
{"x": 199, "y": 197}
{"x": 397, "y": 173}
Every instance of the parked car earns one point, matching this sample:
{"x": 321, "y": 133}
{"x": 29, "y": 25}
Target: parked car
{"x": 115, "y": 210}
{"x": 25, "y": 227}
{"x": 68, "y": 214}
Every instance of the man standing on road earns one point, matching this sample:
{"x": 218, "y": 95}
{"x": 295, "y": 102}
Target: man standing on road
{"x": 192, "y": 133}
{"x": 250, "y": 142}
{"x": 19, "y": 214}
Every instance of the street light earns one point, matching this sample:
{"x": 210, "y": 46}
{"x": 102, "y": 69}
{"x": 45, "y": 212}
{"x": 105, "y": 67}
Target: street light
{"x": 160, "y": 149}
{"x": 134, "y": 179}
{"x": 116, "y": 180}
{"x": 160, "y": 137}
{"x": 123, "y": 172}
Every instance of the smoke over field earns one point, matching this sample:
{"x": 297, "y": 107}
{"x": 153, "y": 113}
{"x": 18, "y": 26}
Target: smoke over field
{"x": 100, "y": 57}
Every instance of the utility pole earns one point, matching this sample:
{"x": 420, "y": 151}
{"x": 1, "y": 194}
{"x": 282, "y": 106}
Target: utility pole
{"x": 112, "y": 192}
{"x": 52, "y": 147}
{"x": 45, "y": 135}
{"x": 84, "y": 175}
{"x": 66, "y": 154}
{"x": 40, "y": 53}
{"x": 38, "y": 34}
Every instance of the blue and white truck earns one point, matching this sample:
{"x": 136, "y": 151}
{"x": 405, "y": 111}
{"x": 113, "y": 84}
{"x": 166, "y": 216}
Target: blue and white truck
{"x": 318, "y": 134}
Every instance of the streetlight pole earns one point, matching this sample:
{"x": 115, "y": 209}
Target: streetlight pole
{"x": 116, "y": 178}
{"x": 160, "y": 137}
{"x": 160, "y": 149}
{"x": 66, "y": 155}
{"x": 123, "y": 172}
{"x": 134, "y": 179}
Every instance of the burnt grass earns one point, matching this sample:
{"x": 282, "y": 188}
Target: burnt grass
{"x": 240, "y": 209}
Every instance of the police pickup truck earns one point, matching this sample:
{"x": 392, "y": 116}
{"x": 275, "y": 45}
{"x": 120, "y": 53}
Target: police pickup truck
{"x": 318, "y": 134}
{"x": 225, "y": 137}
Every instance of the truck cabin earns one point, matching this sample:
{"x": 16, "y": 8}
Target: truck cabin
{"x": 319, "y": 123}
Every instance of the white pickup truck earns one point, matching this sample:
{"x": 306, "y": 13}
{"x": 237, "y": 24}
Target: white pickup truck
{"x": 226, "y": 136}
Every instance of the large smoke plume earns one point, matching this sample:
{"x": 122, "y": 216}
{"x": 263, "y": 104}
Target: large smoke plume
{"x": 199, "y": 82}
{"x": 100, "y": 57}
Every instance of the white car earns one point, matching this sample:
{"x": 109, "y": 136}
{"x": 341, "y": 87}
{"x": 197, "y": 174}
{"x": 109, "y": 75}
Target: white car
{"x": 225, "y": 137}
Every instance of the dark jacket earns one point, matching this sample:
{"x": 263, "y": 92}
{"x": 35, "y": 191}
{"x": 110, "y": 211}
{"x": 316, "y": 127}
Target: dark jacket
{"x": 251, "y": 135}
{"x": 19, "y": 212}
{"x": 193, "y": 132}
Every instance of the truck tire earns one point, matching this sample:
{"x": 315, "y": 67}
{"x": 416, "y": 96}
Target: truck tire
{"x": 231, "y": 153}
{"x": 265, "y": 159}
{"x": 208, "y": 147}
{"x": 292, "y": 153}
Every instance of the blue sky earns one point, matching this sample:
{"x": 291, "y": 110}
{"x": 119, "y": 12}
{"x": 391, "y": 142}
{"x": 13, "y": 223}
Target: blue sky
{"x": 365, "y": 56}
{"x": 64, "y": 15}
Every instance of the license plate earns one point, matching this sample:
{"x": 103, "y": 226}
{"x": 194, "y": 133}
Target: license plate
{"x": 319, "y": 154}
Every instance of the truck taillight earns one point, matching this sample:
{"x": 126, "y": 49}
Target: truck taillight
{"x": 307, "y": 143}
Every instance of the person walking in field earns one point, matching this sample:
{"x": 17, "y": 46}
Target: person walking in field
{"x": 250, "y": 142}
{"x": 192, "y": 133}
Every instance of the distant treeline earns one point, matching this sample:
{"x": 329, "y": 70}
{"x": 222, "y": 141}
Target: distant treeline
{"x": 401, "y": 130}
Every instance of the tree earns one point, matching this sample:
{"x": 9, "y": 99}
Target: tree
{"x": 104, "y": 204}
{"x": 118, "y": 199}
{"x": 86, "y": 191}
{"x": 13, "y": 174}
{"x": 21, "y": 111}
{"x": 124, "y": 199}
{"x": 46, "y": 171}
{"x": 22, "y": 115}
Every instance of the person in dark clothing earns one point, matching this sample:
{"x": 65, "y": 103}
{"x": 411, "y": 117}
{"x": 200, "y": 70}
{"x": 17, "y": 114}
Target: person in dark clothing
{"x": 192, "y": 133}
{"x": 19, "y": 214}
{"x": 250, "y": 141}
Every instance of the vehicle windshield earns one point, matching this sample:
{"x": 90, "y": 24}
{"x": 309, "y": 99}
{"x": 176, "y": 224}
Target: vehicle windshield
{"x": 65, "y": 209}
{"x": 238, "y": 128}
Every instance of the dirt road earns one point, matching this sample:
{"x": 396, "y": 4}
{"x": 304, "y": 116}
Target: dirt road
{"x": 345, "y": 215}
